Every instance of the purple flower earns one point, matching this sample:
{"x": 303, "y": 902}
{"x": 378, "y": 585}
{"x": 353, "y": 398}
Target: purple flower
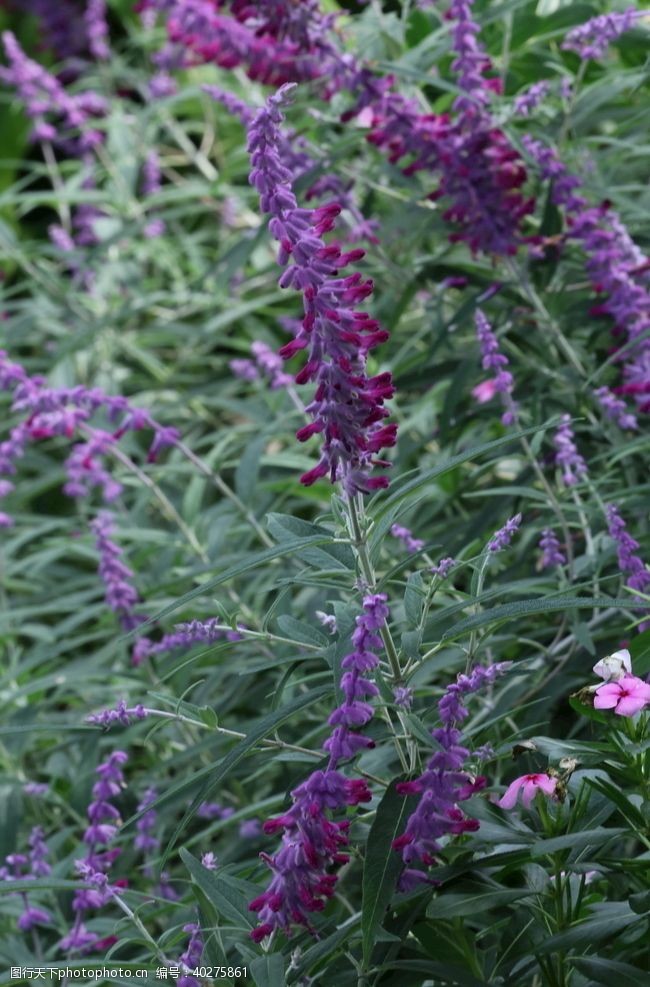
{"x": 403, "y": 696}
{"x": 444, "y": 567}
{"x": 250, "y": 829}
{"x": 615, "y": 266}
{"x": 567, "y": 456}
{"x": 348, "y": 406}
{"x": 630, "y": 564}
{"x": 328, "y": 620}
{"x": 502, "y": 382}
{"x": 209, "y": 861}
{"x": 97, "y": 29}
{"x": 312, "y": 842}
{"x": 145, "y": 841}
{"x": 120, "y": 714}
{"x": 615, "y": 409}
{"x": 405, "y": 535}
{"x": 265, "y": 363}
{"x": 354, "y": 712}
{"x": 185, "y": 636}
{"x": 21, "y": 866}
{"x": 445, "y": 782}
{"x": 502, "y": 538}
{"x": 552, "y": 554}
{"x": 58, "y": 116}
{"x": 121, "y": 595}
{"x": 530, "y": 98}
{"x": 36, "y": 789}
{"x": 593, "y": 38}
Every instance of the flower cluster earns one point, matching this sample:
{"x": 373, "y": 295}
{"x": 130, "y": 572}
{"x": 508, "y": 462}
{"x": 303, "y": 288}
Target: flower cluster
{"x": 630, "y": 564}
{"x": 552, "y": 553}
{"x": 51, "y": 411}
{"x": 265, "y": 364}
{"x": 593, "y": 38}
{"x": 623, "y": 692}
{"x": 312, "y": 842}
{"x": 502, "y": 538}
{"x": 445, "y": 781}
{"x": 492, "y": 359}
{"x": 184, "y": 636}
{"x": 121, "y": 595}
{"x": 567, "y": 456}
{"x": 405, "y": 535}
{"x": 23, "y": 866}
{"x": 59, "y": 116}
{"x": 616, "y": 268}
{"x": 120, "y": 714}
{"x": 104, "y": 819}
{"x": 348, "y": 406}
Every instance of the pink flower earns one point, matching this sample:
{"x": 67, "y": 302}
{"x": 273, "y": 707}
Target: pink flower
{"x": 485, "y": 391}
{"x": 530, "y": 784}
{"x": 626, "y": 696}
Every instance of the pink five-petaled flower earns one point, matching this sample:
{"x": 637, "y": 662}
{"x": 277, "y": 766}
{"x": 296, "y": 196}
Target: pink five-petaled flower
{"x": 626, "y": 696}
{"x": 529, "y": 785}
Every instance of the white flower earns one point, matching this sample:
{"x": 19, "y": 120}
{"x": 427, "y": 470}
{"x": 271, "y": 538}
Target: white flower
{"x": 614, "y": 667}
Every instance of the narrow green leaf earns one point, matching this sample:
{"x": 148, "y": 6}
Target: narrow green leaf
{"x": 221, "y": 890}
{"x": 268, "y": 970}
{"x": 382, "y": 865}
{"x": 522, "y": 608}
{"x": 252, "y": 562}
{"x": 216, "y": 773}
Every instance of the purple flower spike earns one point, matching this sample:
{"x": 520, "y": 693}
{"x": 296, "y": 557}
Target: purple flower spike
{"x": 567, "y": 456}
{"x": 502, "y": 538}
{"x": 616, "y": 409}
{"x": 58, "y": 116}
{"x": 121, "y": 595}
{"x": 97, "y": 29}
{"x": 502, "y": 383}
{"x": 348, "y": 406}
{"x": 445, "y": 782}
{"x": 592, "y": 39}
{"x": 552, "y": 554}
{"x": 530, "y": 99}
{"x": 630, "y": 564}
{"x": 120, "y": 714}
{"x": 444, "y": 567}
{"x": 405, "y": 535}
{"x": 312, "y": 842}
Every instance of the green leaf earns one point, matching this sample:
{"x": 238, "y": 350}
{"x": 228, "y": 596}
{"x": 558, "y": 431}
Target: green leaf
{"x": 607, "y": 919}
{"x": 449, "y": 905}
{"x": 220, "y": 888}
{"x": 522, "y": 608}
{"x": 400, "y": 491}
{"x": 608, "y": 972}
{"x": 414, "y": 599}
{"x": 252, "y": 562}
{"x": 268, "y": 970}
{"x": 217, "y": 773}
{"x": 319, "y": 952}
{"x": 382, "y": 865}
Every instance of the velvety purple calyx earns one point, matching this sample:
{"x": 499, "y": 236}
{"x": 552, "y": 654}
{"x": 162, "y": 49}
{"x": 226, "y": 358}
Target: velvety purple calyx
{"x": 121, "y": 595}
{"x": 630, "y": 563}
{"x": 103, "y": 824}
{"x": 444, "y": 783}
{"x": 405, "y": 535}
{"x": 567, "y": 457}
{"x": 552, "y": 554}
{"x": 593, "y": 38}
{"x": 347, "y": 409}
{"x": 185, "y": 636}
{"x": 502, "y": 538}
{"x": 313, "y": 843}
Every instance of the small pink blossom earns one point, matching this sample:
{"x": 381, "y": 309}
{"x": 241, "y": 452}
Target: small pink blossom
{"x": 485, "y": 391}
{"x": 626, "y": 696}
{"x": 529, "y": 785}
